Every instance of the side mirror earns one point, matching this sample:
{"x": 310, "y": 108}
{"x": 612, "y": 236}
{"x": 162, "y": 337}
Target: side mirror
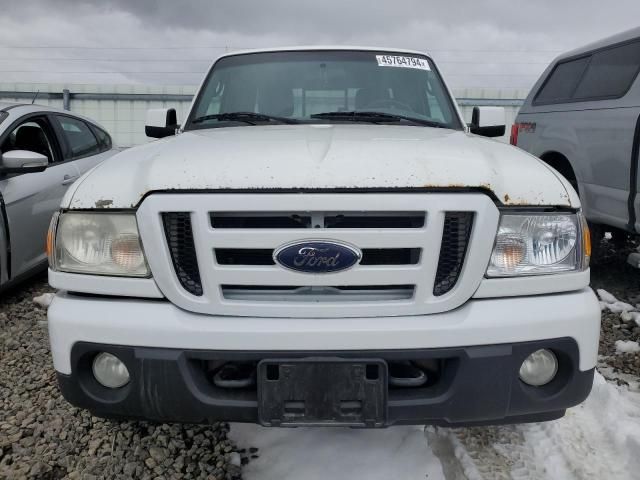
{"x": 161, "y": 122}
{"x": 23, "y": 161}
{"x": 488, "y": 121}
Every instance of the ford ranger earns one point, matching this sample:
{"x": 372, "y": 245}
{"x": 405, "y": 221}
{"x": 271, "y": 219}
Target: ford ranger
{"x": 323, "y": 241}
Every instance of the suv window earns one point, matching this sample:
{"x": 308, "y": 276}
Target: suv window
{"x": 562, "y": 81}
{"x": 31, "y": 136}
{"x": 81, "y": 140}
{"x": 605, "y": 74}
{"x": 610, "y": 72}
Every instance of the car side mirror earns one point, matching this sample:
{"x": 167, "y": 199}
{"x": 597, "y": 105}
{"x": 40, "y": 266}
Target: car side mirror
{"x": 488, "y": 121}
{"x": 22, "y": 161}
{"x": 161, "y": 122}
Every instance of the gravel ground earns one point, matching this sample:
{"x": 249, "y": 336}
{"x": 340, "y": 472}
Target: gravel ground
{"x": 41, "y": 436}
{"x": 612, "y": 273}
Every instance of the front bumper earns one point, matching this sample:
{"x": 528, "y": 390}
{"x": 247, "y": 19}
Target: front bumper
{"x": 475, "y": 385}
{"x": 157, "y": 323}
{"x": 479, "y": 346}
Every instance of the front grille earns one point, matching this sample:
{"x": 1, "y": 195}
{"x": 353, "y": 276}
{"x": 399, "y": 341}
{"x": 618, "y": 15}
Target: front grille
{"x": 218, "y": 252}
{"x": 455, "y": 238}
{"x": 177, "y": 227}
{"x": 370, "y": 256}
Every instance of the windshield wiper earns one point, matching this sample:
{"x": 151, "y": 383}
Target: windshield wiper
{"x": 247, "y": 117}
{"x": 376, "y": 117}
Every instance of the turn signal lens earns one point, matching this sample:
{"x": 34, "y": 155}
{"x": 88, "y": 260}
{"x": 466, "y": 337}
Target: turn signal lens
{"x": 586, "y": 242}
{"x": 51, "y": 239}
{"x": 126, "y": 252}
{"x": 509, "y": 252}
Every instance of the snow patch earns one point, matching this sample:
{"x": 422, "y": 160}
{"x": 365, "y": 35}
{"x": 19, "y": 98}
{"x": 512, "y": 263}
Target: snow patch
{"x": 627, "y": 346}
{"x": 337, "y": 453}
{"x": 630, "y": 317}
{"x": 601, "y": 437}
{"x": 606, "y": 296}
{"x": 235, "y": 459}
{"x": 44, "y": 300}
{"x": 613, "y": 375}
{"x": 628, "y": 313}
{"x": 598, "y": 439}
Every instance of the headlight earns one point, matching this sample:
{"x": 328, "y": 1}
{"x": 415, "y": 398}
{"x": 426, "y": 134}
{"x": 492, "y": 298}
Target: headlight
{"x": 97, "y": 243}
{"x": 537, "y": 244}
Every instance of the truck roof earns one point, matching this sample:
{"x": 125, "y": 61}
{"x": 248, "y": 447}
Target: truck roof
{"x": 612, "y": 40}
{"x": 301, "y": 48}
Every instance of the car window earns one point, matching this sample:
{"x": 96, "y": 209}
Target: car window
{"x": 81, "y": 140}
{"x": 562, "y": 81}
{"x": 32, "y": 136}
{"x": 610, "y": 72}
{"x": 104, "y": 140}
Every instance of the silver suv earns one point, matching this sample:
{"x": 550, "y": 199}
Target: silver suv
{"x": 582, "y": 117}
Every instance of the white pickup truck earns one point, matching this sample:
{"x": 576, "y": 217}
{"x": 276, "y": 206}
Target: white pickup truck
{"x": 323, "y": 241}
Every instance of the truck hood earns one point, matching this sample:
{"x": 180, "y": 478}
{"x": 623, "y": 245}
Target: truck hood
{"x": 306, "y": 157}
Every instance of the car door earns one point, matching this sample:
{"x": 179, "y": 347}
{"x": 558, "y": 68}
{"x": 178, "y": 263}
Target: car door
{"x": 83, "y": 143}
{"x": 30, "y": 199}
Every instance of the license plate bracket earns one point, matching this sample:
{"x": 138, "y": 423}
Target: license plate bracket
{"x": 322, "y": 392}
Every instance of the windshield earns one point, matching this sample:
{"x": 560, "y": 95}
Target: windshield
{"x": 323, "y": 87}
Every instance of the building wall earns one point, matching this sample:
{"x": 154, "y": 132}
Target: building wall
{"x": 121, "y": 109}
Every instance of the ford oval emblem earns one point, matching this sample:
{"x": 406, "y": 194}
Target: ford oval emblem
{"x": 317, "y": 256}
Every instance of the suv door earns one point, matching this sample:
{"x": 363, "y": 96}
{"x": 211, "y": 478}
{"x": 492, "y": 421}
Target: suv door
{"x": 32, "y": 198}
{"x": 85, "y": 144}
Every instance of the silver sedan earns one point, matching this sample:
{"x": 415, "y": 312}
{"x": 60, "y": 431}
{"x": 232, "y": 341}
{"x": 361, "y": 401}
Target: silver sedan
{"x": 44, "y": 150}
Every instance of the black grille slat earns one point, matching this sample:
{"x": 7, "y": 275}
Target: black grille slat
{"x": 244, "y": 256}
{"x": 177, "y": 227}
{"x": 219, "y": 220}
{"x": 453, "y": 250}
{"x": 322, "y": 220}
{"x": 374, "y": 221}
{"x": 390, "y": 256}
{"x": 370, "y": 256}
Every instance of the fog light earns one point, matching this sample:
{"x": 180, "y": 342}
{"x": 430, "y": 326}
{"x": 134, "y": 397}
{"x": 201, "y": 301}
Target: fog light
{"x": 110, "y": 371}
{"x": 539, "y": 368}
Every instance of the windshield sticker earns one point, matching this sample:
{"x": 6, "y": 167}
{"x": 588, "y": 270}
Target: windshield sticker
{"x": 402, "y": 62}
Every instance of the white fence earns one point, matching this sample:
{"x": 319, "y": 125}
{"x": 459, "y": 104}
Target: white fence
{"x": 121, "y": 109}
